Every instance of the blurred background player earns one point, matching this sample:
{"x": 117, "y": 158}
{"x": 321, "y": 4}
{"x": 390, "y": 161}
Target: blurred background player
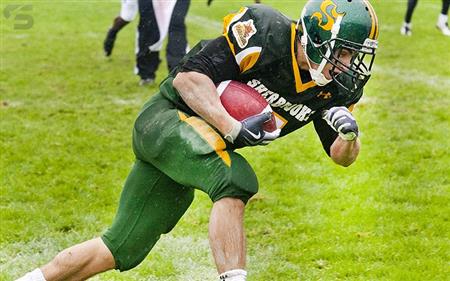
{"x": 159, "y": 18}
{"x": 127, "y": 14}
{"x": 441, "y": 24}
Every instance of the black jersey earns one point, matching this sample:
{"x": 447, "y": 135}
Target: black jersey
{"x": 259, "y": 48}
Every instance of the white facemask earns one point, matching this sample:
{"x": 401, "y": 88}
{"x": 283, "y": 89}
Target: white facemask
{"x": 317, "y": 74}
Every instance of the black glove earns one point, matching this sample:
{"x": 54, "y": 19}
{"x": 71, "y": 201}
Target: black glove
{"x": 342, "y": 121}
{"x": 252, "y": 133}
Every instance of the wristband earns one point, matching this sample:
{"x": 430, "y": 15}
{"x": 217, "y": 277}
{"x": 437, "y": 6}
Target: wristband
{"x": 234, "y": 132}
{"x": 348, "y": 136}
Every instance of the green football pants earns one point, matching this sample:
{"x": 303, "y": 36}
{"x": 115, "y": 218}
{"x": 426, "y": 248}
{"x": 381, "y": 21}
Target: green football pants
{"x": 176, "y": 154}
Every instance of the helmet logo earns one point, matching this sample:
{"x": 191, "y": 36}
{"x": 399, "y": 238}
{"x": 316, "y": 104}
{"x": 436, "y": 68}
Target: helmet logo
{"x": 328, "y": 10}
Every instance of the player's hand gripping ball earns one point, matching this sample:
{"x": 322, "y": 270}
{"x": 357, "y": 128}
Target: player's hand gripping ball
{"x": 246, "y": 105}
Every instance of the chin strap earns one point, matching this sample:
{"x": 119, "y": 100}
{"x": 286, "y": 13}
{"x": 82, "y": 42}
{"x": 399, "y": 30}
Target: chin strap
{"x": 317, "y": 74}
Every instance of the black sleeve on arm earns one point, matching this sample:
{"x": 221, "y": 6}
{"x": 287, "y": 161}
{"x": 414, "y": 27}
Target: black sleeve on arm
{"x": 215, "y": 60}
{"x": 326, "y": 134}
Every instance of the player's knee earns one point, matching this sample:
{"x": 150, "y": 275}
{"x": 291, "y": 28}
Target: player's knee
{"x": 131, "y": 253}
{"x": 241, "y": 182}
{"x": 129, "y": 263}
{"x": 243, "y": 189}
{"x": 127, "y": 259}
{"x": 236, "y": 193}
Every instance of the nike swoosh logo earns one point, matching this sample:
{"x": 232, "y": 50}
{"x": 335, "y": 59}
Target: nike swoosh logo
{"x": 253, "y": 135}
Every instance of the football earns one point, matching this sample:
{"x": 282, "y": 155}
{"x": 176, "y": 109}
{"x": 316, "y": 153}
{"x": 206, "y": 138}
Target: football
{"x": 242, "y": 101}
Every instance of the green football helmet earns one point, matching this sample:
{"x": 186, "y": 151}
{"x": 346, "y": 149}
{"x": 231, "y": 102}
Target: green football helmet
{"x": 330, "y": 26}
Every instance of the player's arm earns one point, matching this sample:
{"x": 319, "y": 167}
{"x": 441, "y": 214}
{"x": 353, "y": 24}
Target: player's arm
{"x": 196, "y": 85}
{"x": 199, "y": 93}
{"x": 344, "y": 152}
{"x": 338, "y": 133}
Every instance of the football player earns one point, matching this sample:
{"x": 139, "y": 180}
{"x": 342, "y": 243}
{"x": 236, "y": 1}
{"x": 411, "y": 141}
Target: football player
{"x": 128, "y": 12}
{"x": 441, "y": 24}
{"x": 310, "y": 71}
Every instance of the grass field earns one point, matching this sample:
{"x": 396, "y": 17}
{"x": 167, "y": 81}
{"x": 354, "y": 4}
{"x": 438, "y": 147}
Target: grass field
{"x": 65, "y": 127}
